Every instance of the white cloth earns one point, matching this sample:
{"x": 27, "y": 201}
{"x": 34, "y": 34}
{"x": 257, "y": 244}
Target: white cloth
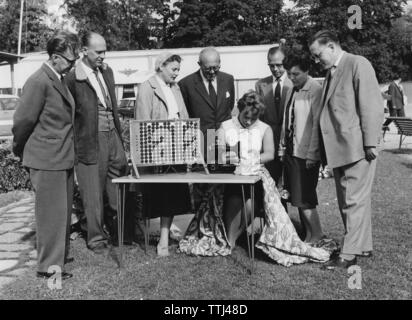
{"x": 251, "y": 144}
{"x": 206, "y": 82}
{"x": 172, "y": 108}
{"x": 95, "y": 84}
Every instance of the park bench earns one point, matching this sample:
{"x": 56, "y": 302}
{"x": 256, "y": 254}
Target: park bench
{"x": 404, "y": 126}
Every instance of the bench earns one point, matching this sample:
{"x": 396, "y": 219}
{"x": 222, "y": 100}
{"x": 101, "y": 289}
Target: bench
{"x": 404, "y": 125}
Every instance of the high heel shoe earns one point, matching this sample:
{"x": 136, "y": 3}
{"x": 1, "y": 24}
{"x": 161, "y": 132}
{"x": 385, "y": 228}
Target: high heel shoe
{"x": 162, "y": 251}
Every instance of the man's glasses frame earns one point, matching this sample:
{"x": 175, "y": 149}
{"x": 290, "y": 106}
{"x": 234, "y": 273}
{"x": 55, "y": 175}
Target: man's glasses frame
{"x": 69, "y": 61}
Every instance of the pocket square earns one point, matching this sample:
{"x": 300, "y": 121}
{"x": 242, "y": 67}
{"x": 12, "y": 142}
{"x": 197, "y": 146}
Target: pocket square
{"x": 227, "y": 94}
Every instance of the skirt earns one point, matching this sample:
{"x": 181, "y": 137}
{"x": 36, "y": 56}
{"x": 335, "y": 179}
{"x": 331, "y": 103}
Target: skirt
{"x": 301, "y": 182}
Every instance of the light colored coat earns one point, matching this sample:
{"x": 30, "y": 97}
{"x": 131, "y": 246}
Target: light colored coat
{"x": 352, "y": 113}
{"x": 306, "y": 125}
{"x": 151, "y": 102}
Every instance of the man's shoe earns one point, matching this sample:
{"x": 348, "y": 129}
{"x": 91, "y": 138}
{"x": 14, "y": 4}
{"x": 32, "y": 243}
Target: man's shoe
{"x": 68, "y": 260}
{"x": 47, "y": 275}
{"x": 339, "y": 263}
{"x": 365, "y": 254}
{"x": 99, "y": 249}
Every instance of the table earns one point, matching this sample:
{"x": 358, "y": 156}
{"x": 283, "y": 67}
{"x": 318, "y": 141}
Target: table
{"x": 189, "y": 177}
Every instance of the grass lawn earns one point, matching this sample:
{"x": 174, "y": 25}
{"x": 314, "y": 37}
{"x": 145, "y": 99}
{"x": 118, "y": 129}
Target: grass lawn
{"x": 385, "y": 276}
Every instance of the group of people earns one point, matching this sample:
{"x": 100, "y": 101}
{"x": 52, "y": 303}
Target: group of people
{"x": 285, "y": 128}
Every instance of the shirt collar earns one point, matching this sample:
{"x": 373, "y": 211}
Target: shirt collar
{"x": 55, "y": 72}
{"x": 87, "y": 69}
{"x": 338, "y": 60}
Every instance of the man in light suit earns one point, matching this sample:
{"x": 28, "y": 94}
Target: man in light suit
{"x": 43, "y": 138}
{"x": 209, "y": 94}
{"x": 350, "y": 124}
{"x": 273, "y": 90}
{"x": 99, "y": 147}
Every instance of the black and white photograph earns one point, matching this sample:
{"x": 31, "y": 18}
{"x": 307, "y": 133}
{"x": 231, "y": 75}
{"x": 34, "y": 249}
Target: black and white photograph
{"x": 205, "y": 154}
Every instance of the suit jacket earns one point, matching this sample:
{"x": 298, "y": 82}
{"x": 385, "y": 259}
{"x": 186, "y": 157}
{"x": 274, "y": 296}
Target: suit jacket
{"x": 43, "y": 123}
{"x": 273, "y": 116}
{"x": 352, "y": 113}
{"x": 151, "y": 102}
{"x": 396, "y": 96}
{"x": 199, "y": 105}
{"x": 86, "y": 117}
{"x": 307, "y": 112}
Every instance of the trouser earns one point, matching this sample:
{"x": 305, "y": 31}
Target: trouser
{"x": 53, "y": 204}
{"x": 98, "y": 193}
{"x": 353, "y": 188}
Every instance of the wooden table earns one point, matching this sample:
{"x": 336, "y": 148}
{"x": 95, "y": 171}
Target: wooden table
{"x": 190, "y": 177}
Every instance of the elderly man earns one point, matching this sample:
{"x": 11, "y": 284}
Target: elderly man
{"x": 209, "y": 94}
{"x": 273, "y": 90}
{"x": 99, "y": 147}
{"x": 43, "y": 137}
{"x": 350, "y": 122}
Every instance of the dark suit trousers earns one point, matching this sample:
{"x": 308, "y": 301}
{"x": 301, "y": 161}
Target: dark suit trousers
{"x": 53, "y": 205}
{"x": 97, "y": 191}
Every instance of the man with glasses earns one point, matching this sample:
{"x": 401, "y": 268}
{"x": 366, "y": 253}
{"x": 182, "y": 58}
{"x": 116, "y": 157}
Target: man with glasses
{"x": 350, "y": 125}
{"x": 99, "y": 147}
{"x": 43, "y": 138}
{"x": 273, "y": 90}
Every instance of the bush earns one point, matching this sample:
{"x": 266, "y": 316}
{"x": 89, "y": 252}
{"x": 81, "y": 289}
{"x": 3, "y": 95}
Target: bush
{"x": 13, "y": 176}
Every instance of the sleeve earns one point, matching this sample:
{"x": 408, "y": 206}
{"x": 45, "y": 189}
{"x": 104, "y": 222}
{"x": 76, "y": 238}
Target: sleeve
{"x": 28, "y": 113}
{"x": 144, "y": 102}
{"x": 369, "y": 102}
{"x": 232, "y": 93}
{"x": 315, "y": 110}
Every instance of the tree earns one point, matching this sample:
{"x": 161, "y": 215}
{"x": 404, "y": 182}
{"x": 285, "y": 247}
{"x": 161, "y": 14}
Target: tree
{"x": 375, "y": 40}
{"x": 227, "y": 22}
{"x": 35, "y": 31}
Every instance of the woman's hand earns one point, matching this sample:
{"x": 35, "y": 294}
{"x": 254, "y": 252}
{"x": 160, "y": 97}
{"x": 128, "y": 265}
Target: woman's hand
{"x": 230, "y": 157}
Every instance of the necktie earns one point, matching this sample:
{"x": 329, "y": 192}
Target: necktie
{"x": 212, "y": 94}
{"x": 105, "y": 95}
{"x": 277, "y": 94}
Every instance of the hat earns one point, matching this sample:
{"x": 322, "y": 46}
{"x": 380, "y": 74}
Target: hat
{"x": 161, "y": 58}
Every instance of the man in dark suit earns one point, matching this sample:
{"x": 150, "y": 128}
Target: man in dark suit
{"x": 350, "y": 122}
{"x": 209, "y": 94}
{"x": 99, "y": 148}
{"x": 273, "y": 90}
{"x": 396, "y": 103}
{"x": 43, "y": 138}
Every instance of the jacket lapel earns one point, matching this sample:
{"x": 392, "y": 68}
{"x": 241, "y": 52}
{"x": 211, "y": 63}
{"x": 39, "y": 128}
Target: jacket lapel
{"x": 109, "y": 85}
{"x": 158, "y": 91}
{"x": 220, "y": 90}
{"x": 335, "y": 79}
{"x": 200, "y": 88}
{"x": 283, "y": 100}
{"x": 269, "y": 94}
{"x": 57, "y": 84}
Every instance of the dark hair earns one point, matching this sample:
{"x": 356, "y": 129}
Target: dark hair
{"x": 172, "y": 58}
{"x": 62, "y": 41}
{"x": 253, "y": 100}
{"x": 325, "y": 36}
{"x": 302, "y": 62}
{"x": 275, "y": 49}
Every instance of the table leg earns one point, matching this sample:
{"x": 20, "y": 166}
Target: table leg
{"x": 120, "y": 219}
{"x": 246, "y": 220}
{"x": 252, "y": 196}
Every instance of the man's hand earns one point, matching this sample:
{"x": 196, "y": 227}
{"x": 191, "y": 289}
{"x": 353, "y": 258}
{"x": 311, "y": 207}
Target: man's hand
{"x": 370, "y": 153}
{"x": 311, "y": 163}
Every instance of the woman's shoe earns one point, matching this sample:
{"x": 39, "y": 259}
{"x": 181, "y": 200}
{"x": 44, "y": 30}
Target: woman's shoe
{"x": 162, "y": 251}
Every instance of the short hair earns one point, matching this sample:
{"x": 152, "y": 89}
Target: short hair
{"x": 325, "y": 36}
{"x": 253, "y": 100}
{"x": 302, "y": 62}
{"x": 275, "y": 49}
{"x": 62, "y": 41}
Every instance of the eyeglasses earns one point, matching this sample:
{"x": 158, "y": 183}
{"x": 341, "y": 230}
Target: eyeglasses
{"x": 209, "y": 69}
{"x": 275, "y": 65}
{"x": 69, "y": 61}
